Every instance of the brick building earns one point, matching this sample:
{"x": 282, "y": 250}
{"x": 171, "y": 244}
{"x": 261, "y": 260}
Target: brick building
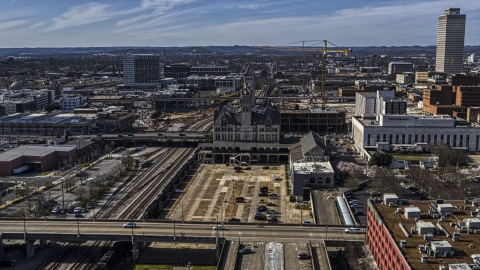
{"x": 412, "y": 237}
{"x": 37, "y": 158}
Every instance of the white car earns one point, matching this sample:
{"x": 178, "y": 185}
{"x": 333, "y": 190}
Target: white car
{"x": 354, "y": 205}
{"x": 178, "y": 190}
{"x": 130, "y": 225}
{"x": 77, "y": 210}
{"x": 219, "y": 227}
{"x": 352, "y": 230}
{"x": 272, "y": 214}
{"x": 56, "y": 210}
{"x": 74, "y": 204}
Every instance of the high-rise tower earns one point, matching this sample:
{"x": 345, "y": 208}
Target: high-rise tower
{"x": 450, "y": 41}
{"x": 142, "y": 70}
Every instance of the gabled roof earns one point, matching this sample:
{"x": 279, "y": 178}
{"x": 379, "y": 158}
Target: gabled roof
{"x": 262, "y": 118}
{"x": 224, "y": 112}
{"x": 312, "y": 140}
{"x": 249, "y": 71}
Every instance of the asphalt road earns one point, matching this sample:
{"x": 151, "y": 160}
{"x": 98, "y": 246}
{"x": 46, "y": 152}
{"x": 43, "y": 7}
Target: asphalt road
{"x": 247, "y": 232}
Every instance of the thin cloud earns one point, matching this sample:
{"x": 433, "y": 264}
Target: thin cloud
{"x": 11, "y": 24}
{"x": 81, "y": 15}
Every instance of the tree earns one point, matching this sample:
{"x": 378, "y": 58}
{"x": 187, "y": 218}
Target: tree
{"x": 383, "y": 179}
{"x": 380, "y": 159}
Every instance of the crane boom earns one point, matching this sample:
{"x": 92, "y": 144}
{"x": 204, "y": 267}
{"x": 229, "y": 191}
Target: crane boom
{"x": 324, "y": 52}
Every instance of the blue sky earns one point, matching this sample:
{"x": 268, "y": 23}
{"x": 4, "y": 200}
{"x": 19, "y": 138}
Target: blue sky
{"x": 67, "y": 23}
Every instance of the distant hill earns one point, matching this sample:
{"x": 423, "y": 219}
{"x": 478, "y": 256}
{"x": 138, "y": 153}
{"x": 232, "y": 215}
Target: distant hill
{"x": 212, "y": 50}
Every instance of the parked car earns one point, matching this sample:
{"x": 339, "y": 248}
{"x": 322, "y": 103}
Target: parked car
{"x": 78, "y": 215}
{"x": 261, "y": 208}
{"x": 307, "y": 222}
{"x": 245, "y": 251}
{"x": 234, "y": 220}
{"x": 355, "y": 205}
{"x": 260, "y": 216}
{"x": 261, "y": 201}
{"x": 130, "y": 134}
{"x": 266, "y": 167}
{"x": 349, "y": 197}
{"x": 160, "y": 134}
{"x": 303, "y": 256}
{"x": 181, "y": 134}
{"x": 219, "y": 227}
{"x": 56, "y": 210}
{"x": 271, "y": 204}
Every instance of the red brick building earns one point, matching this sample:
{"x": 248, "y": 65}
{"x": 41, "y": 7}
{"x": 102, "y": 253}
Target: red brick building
{"x": 38, "y": 158}
{"x": 381, "y": 244}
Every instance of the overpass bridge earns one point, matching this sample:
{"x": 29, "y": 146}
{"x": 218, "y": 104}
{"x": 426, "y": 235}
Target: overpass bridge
{"x": 160, "y": 231}
{"x": 158, "y": 135}
{"x": 192, "y": 99}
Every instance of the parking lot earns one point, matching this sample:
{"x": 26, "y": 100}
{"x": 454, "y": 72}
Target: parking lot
{"x": 254, "y": 260}
{"x": 291, "y": 251}
{"x": 218, "y": 191}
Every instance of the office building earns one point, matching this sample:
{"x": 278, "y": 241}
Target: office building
{"x": 143, "y": 71}
{"x": 399, "y": 67}
{"x": 70, "y": 102}
{"x": 450, "y": 41}
{"x": 472, "y": 58}
{"x": 412, "y": 130}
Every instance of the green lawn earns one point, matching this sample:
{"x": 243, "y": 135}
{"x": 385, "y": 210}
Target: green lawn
{"x": 408, "y": 157}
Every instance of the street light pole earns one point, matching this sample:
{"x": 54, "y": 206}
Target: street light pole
{"x": 78, "y": 229}
{"x": 224, "y": 211}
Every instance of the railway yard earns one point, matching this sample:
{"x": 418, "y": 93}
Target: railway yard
{"x": 170, "y": 185}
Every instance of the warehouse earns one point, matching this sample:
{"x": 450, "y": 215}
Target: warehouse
{"x": 25, "y": 159}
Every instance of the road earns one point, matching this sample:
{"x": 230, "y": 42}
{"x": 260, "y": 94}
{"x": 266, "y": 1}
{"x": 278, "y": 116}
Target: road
{"x": 242, "y": 232}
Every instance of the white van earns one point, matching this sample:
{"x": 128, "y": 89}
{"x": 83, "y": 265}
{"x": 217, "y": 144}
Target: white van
{"x": 352, "y": 230}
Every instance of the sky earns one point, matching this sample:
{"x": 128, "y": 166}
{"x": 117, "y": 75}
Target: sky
{"x": 346, "y": 23}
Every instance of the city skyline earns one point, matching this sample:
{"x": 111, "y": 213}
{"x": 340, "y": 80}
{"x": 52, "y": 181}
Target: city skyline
{"x": 27, "y": 23}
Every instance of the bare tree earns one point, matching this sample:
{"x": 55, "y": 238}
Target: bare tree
{"x": 383, "y": 179}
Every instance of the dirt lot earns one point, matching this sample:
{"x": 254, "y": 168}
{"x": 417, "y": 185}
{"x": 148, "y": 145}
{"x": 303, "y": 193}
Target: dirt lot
{"x": 211, "y": 189}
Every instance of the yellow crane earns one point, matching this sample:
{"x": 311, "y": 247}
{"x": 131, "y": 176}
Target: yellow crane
{"x": 324, "y": 52}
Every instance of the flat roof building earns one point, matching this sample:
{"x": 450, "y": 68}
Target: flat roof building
{"x": 399, "y": 242}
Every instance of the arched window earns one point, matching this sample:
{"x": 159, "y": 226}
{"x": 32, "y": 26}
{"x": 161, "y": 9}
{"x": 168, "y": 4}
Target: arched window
{"x": 320, "y": 180}
{"x": 327, "y": 180}
{"x": 312, "y": 180}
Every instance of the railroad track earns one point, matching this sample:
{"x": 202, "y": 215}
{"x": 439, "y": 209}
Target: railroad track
{"x": 140, "y": 181}
{"x": 56, "y": 261}
{"x": 150, "y": 192}
{"x": 134, "y": 185}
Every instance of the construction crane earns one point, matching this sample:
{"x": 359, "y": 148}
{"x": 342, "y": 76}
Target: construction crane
{"x": 324, "y": 52}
